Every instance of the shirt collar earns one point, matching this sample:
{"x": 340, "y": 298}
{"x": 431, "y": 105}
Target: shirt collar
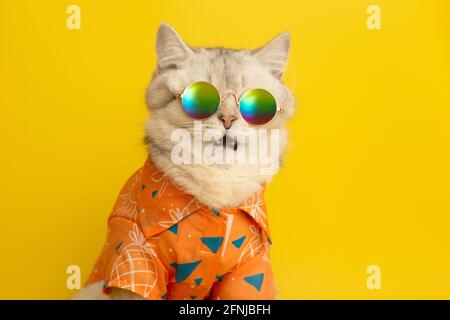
{"x": 162, "y": 204}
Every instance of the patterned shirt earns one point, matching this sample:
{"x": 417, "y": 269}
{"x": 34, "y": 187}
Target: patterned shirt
{"x": 163, "y": 244}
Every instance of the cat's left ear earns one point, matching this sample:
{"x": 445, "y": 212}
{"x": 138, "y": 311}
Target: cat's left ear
{"x": 275, "y": 53}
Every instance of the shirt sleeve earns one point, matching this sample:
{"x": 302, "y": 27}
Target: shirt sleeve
{"x": 131, "y": 262}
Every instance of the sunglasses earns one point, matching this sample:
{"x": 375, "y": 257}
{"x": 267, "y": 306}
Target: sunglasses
{"x": 201, "y": 100}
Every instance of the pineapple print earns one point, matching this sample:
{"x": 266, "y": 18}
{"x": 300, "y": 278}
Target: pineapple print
{"x": 135, "y": 268}
{"x": 127, "y": 205}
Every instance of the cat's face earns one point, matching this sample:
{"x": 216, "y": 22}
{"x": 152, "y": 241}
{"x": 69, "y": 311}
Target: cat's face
{"x": 234, "y": 71}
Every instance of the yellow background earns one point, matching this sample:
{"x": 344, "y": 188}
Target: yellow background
{"x": 367, "y": 176}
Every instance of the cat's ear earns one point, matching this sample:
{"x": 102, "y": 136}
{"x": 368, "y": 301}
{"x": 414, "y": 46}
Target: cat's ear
{"x": 171, "y": 49}
{"x": 274, "y": 54}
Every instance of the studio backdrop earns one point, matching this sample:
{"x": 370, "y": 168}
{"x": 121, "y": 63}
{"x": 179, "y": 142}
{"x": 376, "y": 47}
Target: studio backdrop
{"x": 361, "y": 206}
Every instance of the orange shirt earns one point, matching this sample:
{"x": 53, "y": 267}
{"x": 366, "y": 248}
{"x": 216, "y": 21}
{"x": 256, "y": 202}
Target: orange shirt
{"x": 163, "y": 244}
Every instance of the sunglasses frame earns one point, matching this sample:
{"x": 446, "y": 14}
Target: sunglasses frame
{"x": 236, "y": 99}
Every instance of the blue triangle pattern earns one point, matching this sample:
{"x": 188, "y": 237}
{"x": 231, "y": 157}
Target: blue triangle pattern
{"x": 174, "y": 228}
{"x": 119, "y": 245}
{"x": 184, "y": 270}
{"x": 154, "y": 192}
{"x": 216, "y": 212}
{"x": 255, "y": 280}
{"x": 238, "y": 242}
{"x": 198, "y": 281}
{"x": 213, "y": 243}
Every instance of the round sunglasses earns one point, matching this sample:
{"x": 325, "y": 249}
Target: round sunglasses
{"x": 201, "y": 100}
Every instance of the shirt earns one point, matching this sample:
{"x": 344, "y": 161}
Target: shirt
{"x": 163, "y": 244}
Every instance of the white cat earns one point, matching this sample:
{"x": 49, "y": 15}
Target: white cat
{"x": 214, "y": 185}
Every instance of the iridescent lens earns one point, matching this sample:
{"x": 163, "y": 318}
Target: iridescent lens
{"x": 200, "y": 100}
{"x": 257, "y": 106}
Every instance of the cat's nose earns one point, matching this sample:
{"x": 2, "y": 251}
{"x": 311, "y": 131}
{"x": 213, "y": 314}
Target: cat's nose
{"x": 227, "y": 120}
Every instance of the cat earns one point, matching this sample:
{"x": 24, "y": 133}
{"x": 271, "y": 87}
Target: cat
{"x": 178, "y": 65}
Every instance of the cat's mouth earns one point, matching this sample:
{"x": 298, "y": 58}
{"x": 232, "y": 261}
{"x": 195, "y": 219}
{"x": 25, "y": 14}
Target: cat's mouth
{"x": 228, "y": 142}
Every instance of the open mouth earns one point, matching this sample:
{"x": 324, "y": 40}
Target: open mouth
{"x": 228, "y": 142}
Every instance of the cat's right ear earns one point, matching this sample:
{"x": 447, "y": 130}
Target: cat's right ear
{"x": 171, "y": 49}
